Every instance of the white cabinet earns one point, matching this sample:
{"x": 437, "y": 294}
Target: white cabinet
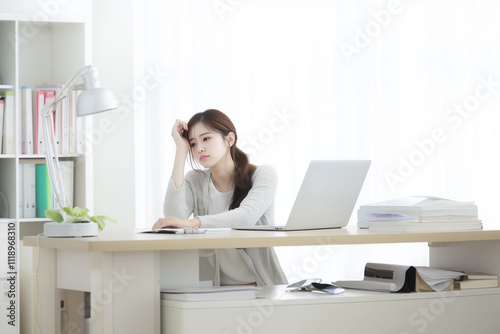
{"x": 353, "y": 311}
{"x": 357, "y": 311}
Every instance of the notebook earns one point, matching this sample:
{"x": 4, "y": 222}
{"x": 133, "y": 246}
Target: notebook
{"x": 195, "y": 230}
{"x": 326, "y": 198}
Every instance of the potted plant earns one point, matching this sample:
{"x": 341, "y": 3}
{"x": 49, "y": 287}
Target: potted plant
{"x": 64, "y": 227}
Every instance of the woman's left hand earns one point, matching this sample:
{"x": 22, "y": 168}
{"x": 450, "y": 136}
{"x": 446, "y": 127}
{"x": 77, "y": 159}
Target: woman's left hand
{"x": 173, "y": 222}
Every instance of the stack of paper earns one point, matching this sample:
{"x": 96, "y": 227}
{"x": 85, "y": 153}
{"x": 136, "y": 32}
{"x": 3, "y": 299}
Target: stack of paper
{"x": 438, "y": 279}
{"x": 419, "y": 213}
{"x": 242, "y": 292}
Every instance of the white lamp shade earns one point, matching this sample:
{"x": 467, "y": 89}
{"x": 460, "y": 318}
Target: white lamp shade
{"x": 94, "y": 101}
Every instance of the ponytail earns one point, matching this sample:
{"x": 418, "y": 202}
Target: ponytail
{"x": 242, "y": 177}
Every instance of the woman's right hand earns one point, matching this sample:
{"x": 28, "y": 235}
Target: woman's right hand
{"x": 181, "y": 142}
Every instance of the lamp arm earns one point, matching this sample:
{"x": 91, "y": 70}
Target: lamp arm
{"x": 90, "y": 81}
{"x": 52, "y": 161}
{"x": 51, "y": 154}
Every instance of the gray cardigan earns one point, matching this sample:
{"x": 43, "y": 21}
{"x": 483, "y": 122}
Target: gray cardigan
{"x": 256, "y": 208}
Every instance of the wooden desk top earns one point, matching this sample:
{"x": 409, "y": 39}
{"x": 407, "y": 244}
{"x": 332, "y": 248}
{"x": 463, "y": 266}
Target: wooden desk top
{"x": 130, "y": 240}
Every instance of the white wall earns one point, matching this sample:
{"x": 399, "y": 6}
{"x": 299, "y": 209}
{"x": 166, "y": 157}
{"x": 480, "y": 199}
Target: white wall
{"x": 112, "y": 53}
{"x": 43, "y": 10}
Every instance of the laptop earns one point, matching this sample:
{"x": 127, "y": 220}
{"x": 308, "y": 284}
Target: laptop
{"x": 326, "y": 197}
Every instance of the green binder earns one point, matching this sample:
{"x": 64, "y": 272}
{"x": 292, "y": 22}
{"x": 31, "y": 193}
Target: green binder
{"x": 43, "y": 191}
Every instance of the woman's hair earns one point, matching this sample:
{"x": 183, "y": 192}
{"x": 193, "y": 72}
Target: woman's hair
{"x": 220, "y": 123}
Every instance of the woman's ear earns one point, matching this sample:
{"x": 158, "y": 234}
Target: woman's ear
{"x": 231, "y": 138}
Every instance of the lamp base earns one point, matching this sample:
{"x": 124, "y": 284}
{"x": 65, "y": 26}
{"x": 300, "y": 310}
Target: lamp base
{"x": 68, "y": 230}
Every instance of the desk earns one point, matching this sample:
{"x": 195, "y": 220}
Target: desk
{"x": 124, "y": 270}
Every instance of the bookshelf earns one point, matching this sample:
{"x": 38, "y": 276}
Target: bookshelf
{"x": 33, "y": 53}
{"x": 53, "y": 54}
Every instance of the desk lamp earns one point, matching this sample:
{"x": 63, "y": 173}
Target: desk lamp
{"x": 92, "y": 100}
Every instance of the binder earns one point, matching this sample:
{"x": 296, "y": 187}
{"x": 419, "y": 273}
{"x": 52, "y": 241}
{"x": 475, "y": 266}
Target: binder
{"x": 29, "y": 190}
{"x": 26, "y": 120}
{"x": 61, "y": 116}
{"x": 44, "y": 199}
{"x": 40, "y": 103}
{"x": 32, "y": 191}
{"x": 9, "y": 123}
{"x": 43, "y": 191}
{"x": 50, "y": 96}
{"x": 2, "y": 108}
{"x": 67, "y": 173}
{"x": 20, "y": 208}
{"x": 23, "y": 172}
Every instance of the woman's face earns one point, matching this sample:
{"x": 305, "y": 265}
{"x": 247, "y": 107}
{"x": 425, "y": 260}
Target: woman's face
{"x": 208, "y": 146}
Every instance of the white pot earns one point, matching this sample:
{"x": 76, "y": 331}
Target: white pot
{"x": 67, "y": 230}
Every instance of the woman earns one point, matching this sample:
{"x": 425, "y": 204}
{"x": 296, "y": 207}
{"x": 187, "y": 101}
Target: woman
{"x": 228, "y": 191}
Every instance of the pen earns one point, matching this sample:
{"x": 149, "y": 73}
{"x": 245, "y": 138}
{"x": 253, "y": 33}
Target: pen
{"x": 195, "y": 230}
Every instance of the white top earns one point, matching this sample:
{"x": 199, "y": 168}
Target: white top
{"x": 192, "y": 198}
{"x": 233, "y": 270}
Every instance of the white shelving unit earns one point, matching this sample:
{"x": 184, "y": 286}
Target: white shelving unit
{"x": 32, "y": 53}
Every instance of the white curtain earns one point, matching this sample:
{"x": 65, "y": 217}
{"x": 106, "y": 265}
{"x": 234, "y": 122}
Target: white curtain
{"x": 412, "y": 85}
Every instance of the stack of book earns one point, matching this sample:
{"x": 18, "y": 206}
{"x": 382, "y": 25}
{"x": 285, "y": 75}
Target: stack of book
{"x": 212, "y": 293}
{"x": 477, "y": 281}
{"x": 68, "y": 129}
{"x": 419, "y": 213}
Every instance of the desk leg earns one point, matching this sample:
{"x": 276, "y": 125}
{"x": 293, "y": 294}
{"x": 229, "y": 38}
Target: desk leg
{"x": 124, "y": 287}
{"x": 125, "y": 293}
{"x": 48, "y": 295}
{"x": 137, "y": 292}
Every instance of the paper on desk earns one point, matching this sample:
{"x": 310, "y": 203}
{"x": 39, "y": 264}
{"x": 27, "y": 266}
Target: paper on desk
{"x": 216, "y": 229}
{"x": 438, "y": 279}
{"x": 364, "y": 222}
{"x": 422, "y": 208}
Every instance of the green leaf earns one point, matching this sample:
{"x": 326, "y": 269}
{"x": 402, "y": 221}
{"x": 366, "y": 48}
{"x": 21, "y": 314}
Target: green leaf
{"x": 81, "y": 212}
{"x": 54, "y": 215}
{"x": 99, "y": 222}
{"x": 68, "y": 211}
{"x": 82, "y": 220}
{"x": 109, "y": 219}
